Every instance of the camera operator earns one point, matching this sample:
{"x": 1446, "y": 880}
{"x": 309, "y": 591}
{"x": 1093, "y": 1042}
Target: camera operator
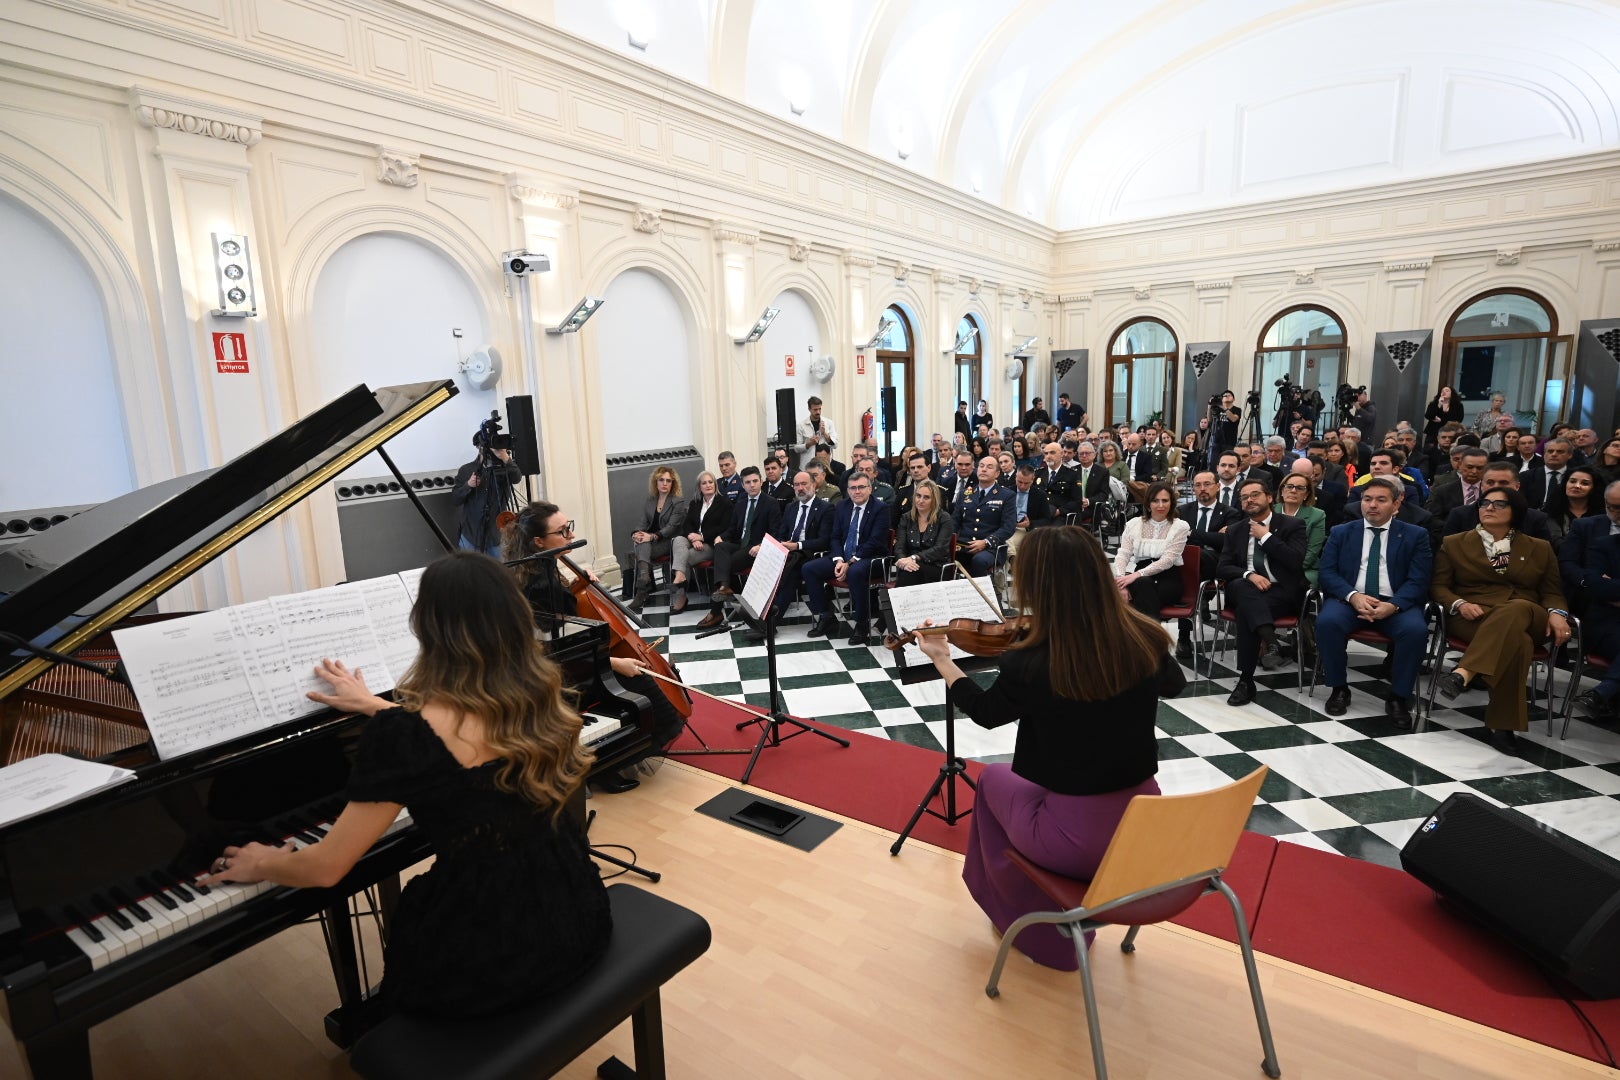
{"x": 1364, "y": 414}
{"x": 1224, "y": 419}
{"x": 484, "y": 487}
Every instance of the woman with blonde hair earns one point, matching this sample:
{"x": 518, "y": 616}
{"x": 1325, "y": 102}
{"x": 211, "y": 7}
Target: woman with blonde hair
{"x": 662, "y": 518}
{"x": 922, "y": 539}
{"x": 1086, "y": 744}
{"x": 482, "y": 745}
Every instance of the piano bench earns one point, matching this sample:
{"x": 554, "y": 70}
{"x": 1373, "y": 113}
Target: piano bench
{"x": 653, "y": 939}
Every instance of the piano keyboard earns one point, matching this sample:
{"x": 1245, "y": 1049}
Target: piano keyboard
{"x": 597, "y": 728}
{"x": 171, "y": 907}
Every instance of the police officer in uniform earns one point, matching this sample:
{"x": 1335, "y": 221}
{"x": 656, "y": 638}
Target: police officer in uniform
{"x": 986, "y": 518}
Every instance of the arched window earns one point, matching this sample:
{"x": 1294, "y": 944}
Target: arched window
{"x": 1141, "y": 373}
{"x": 896, "y": 368}
{"x": 1506, "y": 342}
{"x": 969, "y": 363}
{"x": 1307, "y": 345}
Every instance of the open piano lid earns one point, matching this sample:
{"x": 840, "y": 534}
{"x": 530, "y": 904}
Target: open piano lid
{"x": 70, "y": 583}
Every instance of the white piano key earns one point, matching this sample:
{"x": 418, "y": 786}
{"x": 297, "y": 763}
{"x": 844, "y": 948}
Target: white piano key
{"x": 98, "y": 953}
{"x": 118, "y": 943}
{"x": 146, "y": 933}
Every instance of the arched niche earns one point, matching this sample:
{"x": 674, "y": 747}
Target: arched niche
{"x": 644, "y": 354}
{"x": 69, "y": 445}
{"x": 797, "y": 332}
{"x": 385, "y": 311}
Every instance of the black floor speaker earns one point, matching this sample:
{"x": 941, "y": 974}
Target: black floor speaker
{"x": 1552, "y": 896}
{"x": 525, "y": 439}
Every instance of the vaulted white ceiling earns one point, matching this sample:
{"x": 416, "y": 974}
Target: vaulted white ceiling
{"x": 1083, "y": 112}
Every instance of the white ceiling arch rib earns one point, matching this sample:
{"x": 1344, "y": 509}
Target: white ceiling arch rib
{"x": 1081, "y": 115}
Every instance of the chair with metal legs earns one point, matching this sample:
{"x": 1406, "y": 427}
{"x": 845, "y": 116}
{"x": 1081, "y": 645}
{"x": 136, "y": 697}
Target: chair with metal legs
{"x": 1168, "y": 851}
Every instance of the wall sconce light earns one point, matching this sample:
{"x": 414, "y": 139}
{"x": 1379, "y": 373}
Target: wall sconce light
{"x": 1022, "y": 349}
{"x": 766, "y": 317}
{"x": 234, "y": 272}
{"x": 964, "y": 341}
{"x": 578, "y": 317}
{"x": 885, "y": 324}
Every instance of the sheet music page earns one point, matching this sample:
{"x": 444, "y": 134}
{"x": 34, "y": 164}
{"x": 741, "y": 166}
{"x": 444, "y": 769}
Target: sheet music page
{"x": 969, "y": 602}
{"x": 267, "y": 663}
{"x": 765, "y": 575}
{"x": 389, "y": 606}
{"x": 412, "y": 580}
{"x": 330, "y": 623}
{"x": 939, "y": 602}
{"x": 190, "y": 679}
{"x": 39, "y": 783}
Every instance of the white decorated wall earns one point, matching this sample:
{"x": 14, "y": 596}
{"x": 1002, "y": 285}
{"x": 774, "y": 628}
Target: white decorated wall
{"x": 644, "y": 349}
{"x": 795, "y": 333}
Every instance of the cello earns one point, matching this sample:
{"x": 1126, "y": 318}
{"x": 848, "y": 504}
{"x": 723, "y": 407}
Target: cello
{"x": 596, "y": 603}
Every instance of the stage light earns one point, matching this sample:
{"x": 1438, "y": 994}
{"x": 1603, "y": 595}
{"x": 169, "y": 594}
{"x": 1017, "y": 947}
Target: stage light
{"x": 578, "y": 317}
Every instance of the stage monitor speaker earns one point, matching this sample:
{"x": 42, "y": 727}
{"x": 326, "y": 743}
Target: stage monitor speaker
{"x": 525, "y": 439}
{"x": 891, "y": 414}
{"x": 1552, "y": 896}
{"x": 786, "y": 417}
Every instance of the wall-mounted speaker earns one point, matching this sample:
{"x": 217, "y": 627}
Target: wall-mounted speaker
{"x": 525, "y": 438}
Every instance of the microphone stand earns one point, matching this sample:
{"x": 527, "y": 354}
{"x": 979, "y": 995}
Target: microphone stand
{"x": 113, "y": 674}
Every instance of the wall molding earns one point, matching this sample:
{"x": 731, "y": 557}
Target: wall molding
{"x": 207, "y": 119}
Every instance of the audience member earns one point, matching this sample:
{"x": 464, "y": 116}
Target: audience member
{"x": 1498, "y": 475}
{"x": 1296, "y": 498}
{"x": 662, "y": 518}
{"x": 985, "y": 520}
{"x": 922, "y": 541}
{"x": 860, "y": 536}
{"x": 1147, "y": 565}
{"x": 1030, "y": 508}
{"x": 1577, "y": 498}
{"x": 707, "y": 516}
{"x": 1263, "y": 567}
{"x": 1445, "y": 408}
{"x": 1590, "y": 560}
{"x": 752, "y": 516}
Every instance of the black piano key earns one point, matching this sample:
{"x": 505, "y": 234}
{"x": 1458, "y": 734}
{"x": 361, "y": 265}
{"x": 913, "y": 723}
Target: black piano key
{"x": 181, "y": 891}
{"x": 124, "y": 900}
{"x": 75, "y": 916}
{"x": 159, "y": 894}
{"x": 307, "y": 836}
{"x": 110, "y": 911}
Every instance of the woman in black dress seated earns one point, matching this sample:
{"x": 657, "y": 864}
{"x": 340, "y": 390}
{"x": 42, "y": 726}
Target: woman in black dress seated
{"x": 922, "y": 539}
{"x": 482, "y": 746}
{"x": 1086, "y": 743}
{"x": 540, "y": 527}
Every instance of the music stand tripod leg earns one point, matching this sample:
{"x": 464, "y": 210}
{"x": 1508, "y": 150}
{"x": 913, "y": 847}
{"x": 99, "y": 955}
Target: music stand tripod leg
{"x": 651, "y": 875}
{"x": 771, "y": 728}
{"x": 949, "y": 770}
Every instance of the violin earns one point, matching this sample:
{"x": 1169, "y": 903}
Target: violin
{"x": 597, "y": 603}
{"x": 976, "y": 636}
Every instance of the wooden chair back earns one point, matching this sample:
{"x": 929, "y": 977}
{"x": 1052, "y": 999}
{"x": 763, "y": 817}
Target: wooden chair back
{"x": 1164, "y": 838}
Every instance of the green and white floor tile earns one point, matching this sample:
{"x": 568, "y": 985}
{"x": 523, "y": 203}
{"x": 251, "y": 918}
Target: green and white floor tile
{"x": 1352, "y": 784}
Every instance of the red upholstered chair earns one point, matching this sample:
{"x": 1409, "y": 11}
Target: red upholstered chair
{"x": 1227, "y": 626}
{"x": 1191, "y": 558}
{"x": 1169, "y": 850}
{"x": 1431, "y": 615}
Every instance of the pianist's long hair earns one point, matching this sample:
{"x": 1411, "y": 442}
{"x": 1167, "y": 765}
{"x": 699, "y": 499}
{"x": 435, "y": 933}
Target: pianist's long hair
{"x": 1073, "y": 604}
{"x": 479, "y": 657}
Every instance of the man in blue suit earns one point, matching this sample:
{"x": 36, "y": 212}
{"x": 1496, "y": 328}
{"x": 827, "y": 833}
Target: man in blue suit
{"x": 860, "y": 534}
{"x": 1590, "y": 560}
{"x": 1375, "y": 574}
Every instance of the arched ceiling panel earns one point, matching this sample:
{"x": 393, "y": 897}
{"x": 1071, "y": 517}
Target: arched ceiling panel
{"x": 676, "y": 32}
{"x": 800, "y": 55}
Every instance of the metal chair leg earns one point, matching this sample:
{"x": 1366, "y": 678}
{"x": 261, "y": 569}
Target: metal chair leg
{"x": 1129, "y": 944}
{"x": 1269, "y": 1065}
{"x": 1093, "y": 1023}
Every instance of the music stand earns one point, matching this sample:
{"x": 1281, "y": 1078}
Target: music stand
{"x": 758, "y": 605}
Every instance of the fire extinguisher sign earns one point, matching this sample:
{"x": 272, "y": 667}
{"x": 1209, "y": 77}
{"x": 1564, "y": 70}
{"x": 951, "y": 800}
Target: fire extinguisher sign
{"x": 860, "y": 363}
{"x": 230, "y": 354}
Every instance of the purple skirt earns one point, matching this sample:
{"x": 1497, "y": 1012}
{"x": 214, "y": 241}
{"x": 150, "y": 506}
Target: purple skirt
{"x": 1067, "y": 834}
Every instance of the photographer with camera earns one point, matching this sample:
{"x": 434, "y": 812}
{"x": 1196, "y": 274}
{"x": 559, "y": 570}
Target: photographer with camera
{"x": 1363, "y": 413}
{"x": 1224, "y": 416}
{"x": 485, "y": 486}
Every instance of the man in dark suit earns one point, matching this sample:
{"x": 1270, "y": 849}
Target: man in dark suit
{"x": 1375, "y": 574}
{"x": 1546, "y": 476}
{"x": 860, "y": 534}
{"x": 752, "y": 516}
{"x": 1255, "y": 465}
{"x": 1208, "y": 520}
{"x": 917, "y": 469}
{"x": 1058, "y": 483}
{"x": 1263, "y": 566}
{"x": 1029, "y": 507}
{"x": 1498, "y": 474}
{"x": 805, "y": 529}
{"x": 1139, "y": 460}
{"x": 776, "y": 485}
{"x": 1464, "y": 490}
{"x": 1590, "y": 560}
{"x": 1090, "y": 481}
{"x": 985, "y": 520}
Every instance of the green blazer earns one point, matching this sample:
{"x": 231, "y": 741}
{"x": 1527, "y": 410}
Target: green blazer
{"x": 1316, "y": 528}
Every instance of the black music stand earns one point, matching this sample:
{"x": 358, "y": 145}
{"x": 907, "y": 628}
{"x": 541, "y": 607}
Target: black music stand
{"x": 953, "y": 766}
{"x": 763, "y": 594}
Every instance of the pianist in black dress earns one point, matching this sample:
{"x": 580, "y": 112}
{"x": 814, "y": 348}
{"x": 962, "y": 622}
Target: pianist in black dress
{"x": 542, "y": 526}
{"x": 483, "y": 748}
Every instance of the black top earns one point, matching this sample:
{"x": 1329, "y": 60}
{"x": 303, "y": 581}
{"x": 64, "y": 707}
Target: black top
{"x": 512, "y": 908}
{"x": 1066, "y": 746}
{"x": 933, "y": 546}
{"x": 548, "y": 597}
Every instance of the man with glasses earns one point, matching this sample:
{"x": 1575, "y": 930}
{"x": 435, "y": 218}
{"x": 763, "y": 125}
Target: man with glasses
{"x": 1208, "y": 520}
{"x": 1375, "y": 574}
{"x": 1263, "y": 565}
{"x": 752, "y": 516}
{"x": 1590, "y": 561}
{"x": 860, "y": 533}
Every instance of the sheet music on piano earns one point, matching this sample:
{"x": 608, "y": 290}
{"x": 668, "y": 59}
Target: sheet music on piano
{"x": 35, "y": 785}
{"x": 207, "y": 678}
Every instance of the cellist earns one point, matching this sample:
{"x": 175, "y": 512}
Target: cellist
{"x": 540, "y": 527}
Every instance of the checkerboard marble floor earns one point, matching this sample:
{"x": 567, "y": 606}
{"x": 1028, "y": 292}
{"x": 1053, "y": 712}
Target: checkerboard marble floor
{"x": 1353, "y": 784}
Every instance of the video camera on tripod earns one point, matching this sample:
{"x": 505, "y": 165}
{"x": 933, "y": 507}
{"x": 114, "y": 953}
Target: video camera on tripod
{"x": 1345, "y": 402}
{"x": 489, "y": 437}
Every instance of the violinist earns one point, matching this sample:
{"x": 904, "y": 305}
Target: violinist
{"x": 1086, "y": 743}
{"x": 541, "y": 527}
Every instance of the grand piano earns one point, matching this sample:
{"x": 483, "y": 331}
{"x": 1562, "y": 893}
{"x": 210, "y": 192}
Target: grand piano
{"x": 99, "y": 905}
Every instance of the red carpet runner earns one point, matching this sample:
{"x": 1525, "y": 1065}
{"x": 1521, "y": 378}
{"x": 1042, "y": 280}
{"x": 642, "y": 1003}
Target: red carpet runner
{"x": 1355, "y": 920}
